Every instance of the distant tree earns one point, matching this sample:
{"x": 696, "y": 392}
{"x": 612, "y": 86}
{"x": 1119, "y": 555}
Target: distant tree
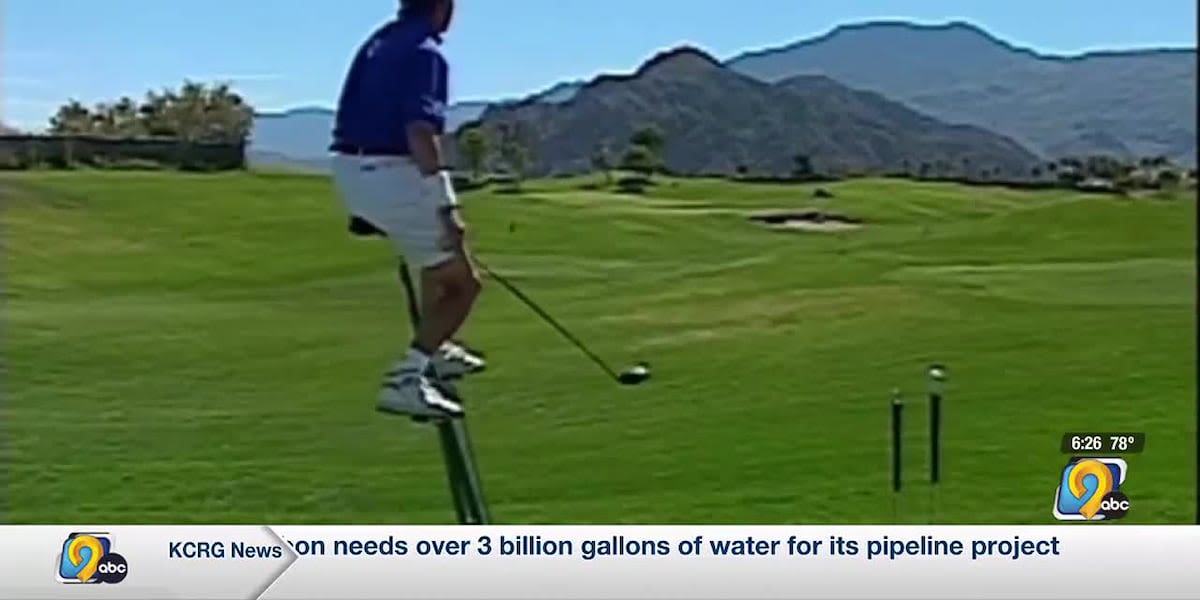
{"x": 1035, "y": 172}
{"x": 653, "y": 140}
{"x": 475, "y": 146}
{"x": 516, "y": 159}
{"x": 651, "y": 137}
{"x": 640, "y": 160}
{"x": 155, "y": 113}
{"x": 966, "y": 167}
{"x": 196, "y": 112}
{"x": 1104, "y": 167}
{"x": 1069, "y": 175}
{"x": 742, "y": 170}
{"x": 802, "y": 166}
{"x": 924, "y": 169}
{"x": 514, "y": 152}
{"x": 102, "y": 119}
{"x": 906, "y": 166}
{"x": 1168, "y": 178}
{"x": 602, "y": 161}
{"x": 125, "y": 121}
{"x": 201, "y": 113}
{"x": 72, "y": 118}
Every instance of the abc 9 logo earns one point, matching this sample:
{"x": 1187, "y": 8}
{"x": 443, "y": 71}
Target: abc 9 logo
{"x": 87, "y": 558}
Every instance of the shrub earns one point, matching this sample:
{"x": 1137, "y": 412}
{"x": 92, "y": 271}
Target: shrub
{"x": 633, "y": 184}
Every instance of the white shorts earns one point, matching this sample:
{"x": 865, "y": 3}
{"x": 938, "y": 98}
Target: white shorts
{"x": 386, "y": 191}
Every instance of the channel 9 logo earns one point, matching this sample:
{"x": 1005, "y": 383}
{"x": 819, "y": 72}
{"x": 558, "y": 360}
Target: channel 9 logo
{"x": 1090, "y": 490}
{"x": 88, "y": 558}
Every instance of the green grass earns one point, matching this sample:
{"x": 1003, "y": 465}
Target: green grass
{"x": 197, "y": 349}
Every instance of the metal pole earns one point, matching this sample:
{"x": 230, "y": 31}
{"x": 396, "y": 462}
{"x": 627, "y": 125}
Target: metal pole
{"x": 935, "y": 424}
{"x": 897, "y": 417}
{"x": 466, "y": 491}
{"x": 461, "y": 473}
{"x": 937, "y": 375}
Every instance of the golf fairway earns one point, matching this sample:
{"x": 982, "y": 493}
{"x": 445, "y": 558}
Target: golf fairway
{"x": 205, "y": 349}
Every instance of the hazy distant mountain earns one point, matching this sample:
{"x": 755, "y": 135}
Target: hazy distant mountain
{"x": 1139, "y": 102}
{"x": 6, "y": 130}
{"x": 716, "y": 119}
{"x": 299, "y": 138}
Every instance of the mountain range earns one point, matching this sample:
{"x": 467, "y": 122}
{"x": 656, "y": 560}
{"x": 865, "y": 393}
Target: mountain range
{"x": 1128, "y": 103}
{"x": 718, "y": 121}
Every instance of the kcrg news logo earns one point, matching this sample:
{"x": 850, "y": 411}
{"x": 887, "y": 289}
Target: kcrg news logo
{"x": 87, "y": 557}
{"x": 1090, "y": 490}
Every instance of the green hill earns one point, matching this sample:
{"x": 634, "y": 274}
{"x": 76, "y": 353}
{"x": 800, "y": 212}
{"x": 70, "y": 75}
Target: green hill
{"x": 199, "y": 349}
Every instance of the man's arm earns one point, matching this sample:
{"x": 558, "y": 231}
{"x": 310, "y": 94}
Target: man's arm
{"x": 426, "y": 119}
{"x": 425, "y": 111}
{"x": 425, "y": 147}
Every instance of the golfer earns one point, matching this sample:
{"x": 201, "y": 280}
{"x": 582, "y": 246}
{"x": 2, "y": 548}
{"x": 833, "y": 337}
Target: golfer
{"x": 389, "y": 170}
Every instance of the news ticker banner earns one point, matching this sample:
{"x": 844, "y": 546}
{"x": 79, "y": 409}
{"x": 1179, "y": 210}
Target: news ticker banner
{"x": 1091, "y": 561}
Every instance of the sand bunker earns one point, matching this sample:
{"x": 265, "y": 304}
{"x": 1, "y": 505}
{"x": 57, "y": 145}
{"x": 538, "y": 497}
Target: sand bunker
{"x": 807, "y": 220}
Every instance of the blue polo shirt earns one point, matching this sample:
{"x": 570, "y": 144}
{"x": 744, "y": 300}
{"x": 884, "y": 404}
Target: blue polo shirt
{"x": 398, "y": 76}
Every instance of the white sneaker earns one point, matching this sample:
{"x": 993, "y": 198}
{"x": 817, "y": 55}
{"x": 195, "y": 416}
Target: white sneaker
{"x": 409, "y": 393}
{"x": 453, "y": 361}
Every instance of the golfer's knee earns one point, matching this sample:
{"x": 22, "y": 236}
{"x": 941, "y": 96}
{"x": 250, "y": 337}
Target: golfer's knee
{"x": 469, "y": 285}
{"x": 457, "y": 278}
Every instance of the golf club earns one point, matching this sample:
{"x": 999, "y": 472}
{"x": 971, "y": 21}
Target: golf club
{"x": 631, "y": 376}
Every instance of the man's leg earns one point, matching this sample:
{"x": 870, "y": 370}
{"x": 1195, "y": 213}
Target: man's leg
{"x": 368, "y": 186}
{"x": 448, "y": 291}
{"x": 452, "y": 360}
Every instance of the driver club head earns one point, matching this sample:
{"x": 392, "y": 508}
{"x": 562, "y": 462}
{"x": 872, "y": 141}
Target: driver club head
{"x": 634, "y": 375}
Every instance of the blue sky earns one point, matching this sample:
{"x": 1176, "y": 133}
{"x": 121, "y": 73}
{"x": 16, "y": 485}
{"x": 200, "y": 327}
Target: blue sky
{"x": 287, "y": 53}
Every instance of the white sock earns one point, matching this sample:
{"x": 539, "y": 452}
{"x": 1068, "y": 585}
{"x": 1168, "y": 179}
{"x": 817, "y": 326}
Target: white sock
{"x": 417, "y": 359}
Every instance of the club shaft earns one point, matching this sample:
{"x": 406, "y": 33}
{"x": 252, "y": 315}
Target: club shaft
{"x": 549, "y": 320}
{"x": 414, "y": 300}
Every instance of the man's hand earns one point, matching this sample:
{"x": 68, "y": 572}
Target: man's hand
{"x": 453, "y": 228}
